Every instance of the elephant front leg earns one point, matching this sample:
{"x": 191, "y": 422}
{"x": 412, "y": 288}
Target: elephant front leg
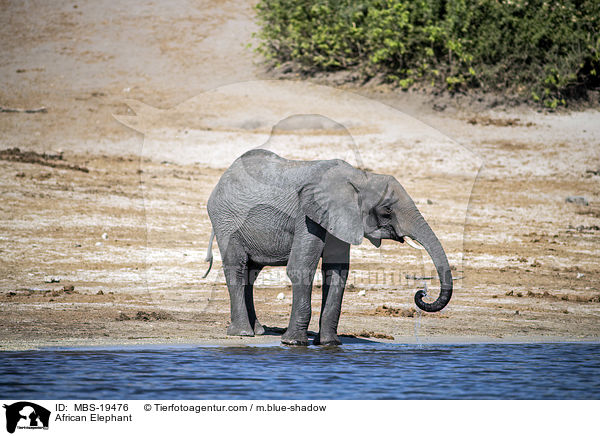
{"x": 302, "y": 264}
{"x": 336, "y": 262}
{"x": 296, "y": 333}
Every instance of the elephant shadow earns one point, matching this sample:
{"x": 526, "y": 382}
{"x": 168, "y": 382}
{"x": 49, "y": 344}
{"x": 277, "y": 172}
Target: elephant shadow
{"x": 347, "y": 338}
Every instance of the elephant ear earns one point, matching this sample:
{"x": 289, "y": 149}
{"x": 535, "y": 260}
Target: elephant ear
{"x": 334, "y": 205}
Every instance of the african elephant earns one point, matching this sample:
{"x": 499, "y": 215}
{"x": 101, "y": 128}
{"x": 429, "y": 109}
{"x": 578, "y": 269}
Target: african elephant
{"x": 267, "y": 210}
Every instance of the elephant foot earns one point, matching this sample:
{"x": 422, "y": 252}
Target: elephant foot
{"x": 327, "y": 340}
{"x": 236, "y": 330}
{"x": 295, "y": 338}
{"x": 258, "y": 328}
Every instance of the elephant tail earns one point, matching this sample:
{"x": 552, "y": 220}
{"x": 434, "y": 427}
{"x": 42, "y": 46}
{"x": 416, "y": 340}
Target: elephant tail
{"x": 209, "y": 255}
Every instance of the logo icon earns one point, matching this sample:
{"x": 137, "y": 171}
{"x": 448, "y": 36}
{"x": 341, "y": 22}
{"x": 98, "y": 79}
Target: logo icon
{"x": 26, "y": 415}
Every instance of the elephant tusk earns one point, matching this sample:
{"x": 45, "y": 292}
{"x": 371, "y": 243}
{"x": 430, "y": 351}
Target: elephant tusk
{"x": 413, "y": 243}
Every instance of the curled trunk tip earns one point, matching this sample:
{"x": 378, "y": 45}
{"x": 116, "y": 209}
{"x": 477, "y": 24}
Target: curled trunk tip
{"x": 437, "y": 305}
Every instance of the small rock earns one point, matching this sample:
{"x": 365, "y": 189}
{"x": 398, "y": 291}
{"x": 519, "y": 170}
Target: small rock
{"x": 394, "y": 311}
{"x": 361, "y": 293}
{"x": 49, "y": 279}
{"x": 371, "y": 334}
{"x": 104, "y": 235}
{"x": 143, "y": 316}
{"x": 577, "y": 200}
{"x": 429, "y": 201}
{"x": 98, "y": 244}
{"x": 68, "y": 289}
{"x": 152, "y": 316}
{"x": 280, "y": 296}
{"x": 579, "y": 275}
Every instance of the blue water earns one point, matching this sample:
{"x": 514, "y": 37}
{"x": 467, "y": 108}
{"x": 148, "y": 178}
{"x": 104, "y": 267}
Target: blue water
{"x": 352, "y": 371}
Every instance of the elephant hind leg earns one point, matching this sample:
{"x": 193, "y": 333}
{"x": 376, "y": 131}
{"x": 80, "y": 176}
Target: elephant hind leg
{"x": 253, "y": 271}
{"x": 235, "y": 266}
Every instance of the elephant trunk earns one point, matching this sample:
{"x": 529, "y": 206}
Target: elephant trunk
{"x": 422, "y": 233}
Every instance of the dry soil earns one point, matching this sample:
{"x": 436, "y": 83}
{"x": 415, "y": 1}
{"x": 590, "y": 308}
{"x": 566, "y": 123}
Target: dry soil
{"x": 102, "y": 242}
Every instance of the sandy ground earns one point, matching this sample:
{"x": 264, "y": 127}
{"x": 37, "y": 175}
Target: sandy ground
{"x": 104, "y": 227}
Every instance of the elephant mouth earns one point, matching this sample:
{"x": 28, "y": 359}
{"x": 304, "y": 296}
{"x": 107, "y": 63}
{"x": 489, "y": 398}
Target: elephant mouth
{"x": 387, "y": 232}
{"x": 375, "y": 241}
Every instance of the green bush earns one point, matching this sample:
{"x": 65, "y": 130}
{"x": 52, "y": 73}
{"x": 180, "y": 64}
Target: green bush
{"x": 547, "y": 51}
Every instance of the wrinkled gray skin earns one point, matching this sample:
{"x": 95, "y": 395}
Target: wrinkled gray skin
{"x": 267, "y": 210}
